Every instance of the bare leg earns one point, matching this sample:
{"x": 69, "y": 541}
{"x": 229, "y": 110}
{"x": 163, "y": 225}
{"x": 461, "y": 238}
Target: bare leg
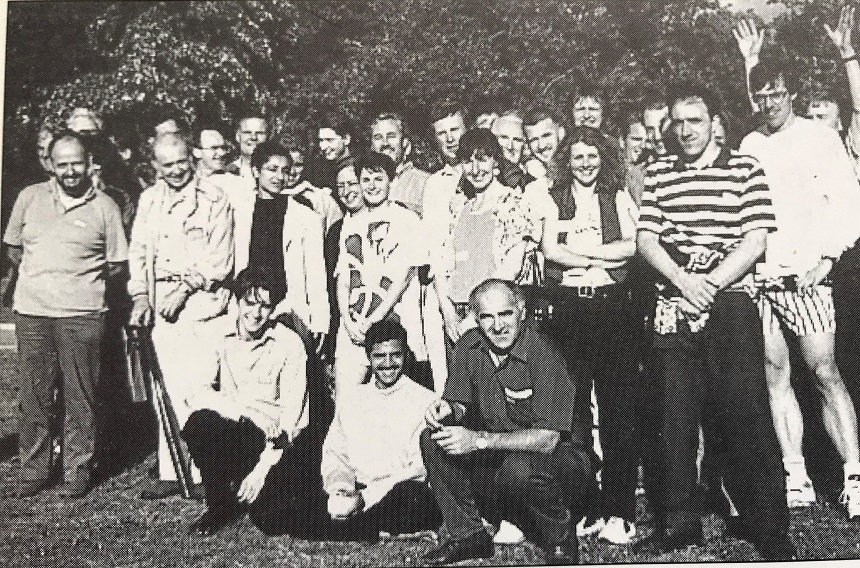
{"x": 840, "y": 419}
{"x": 787, "y": 419}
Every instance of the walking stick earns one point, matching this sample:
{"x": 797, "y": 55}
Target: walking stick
{"x": 164, "y": 410}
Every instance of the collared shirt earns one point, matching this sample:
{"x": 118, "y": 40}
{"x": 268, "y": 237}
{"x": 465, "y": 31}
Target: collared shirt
{"x": 408, "y": 185}
{"x": 702, "y": 214}
{"x": 530, "y": 389}
{"x": 439, "y": 190}
{"x": 182, "y": 232}
{"x": 816, "y": 198}
{"x": 266, "y": 376}
{"x": 66, "y": 245}
{"x": 374, "y": 439}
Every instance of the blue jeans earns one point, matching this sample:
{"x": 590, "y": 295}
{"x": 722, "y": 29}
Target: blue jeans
{"x": 65, "y": 353}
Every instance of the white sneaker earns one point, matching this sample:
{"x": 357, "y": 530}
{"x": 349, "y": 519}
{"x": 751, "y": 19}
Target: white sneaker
{"x": 589, "y": 525}
{"x": 508, "y": 533}
{"x": 851, "y": 497}
{"x": 799, "y": 491}
{"x": 618, "y": 531}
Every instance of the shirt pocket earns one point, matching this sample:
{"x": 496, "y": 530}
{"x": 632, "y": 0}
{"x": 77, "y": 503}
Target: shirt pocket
{"x": 520, "y": 406}
{"x": 195, "y": 240}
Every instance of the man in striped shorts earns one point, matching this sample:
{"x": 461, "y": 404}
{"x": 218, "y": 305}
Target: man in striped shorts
{"x": 816, "y": 201}
{"x": 703, "y": 223}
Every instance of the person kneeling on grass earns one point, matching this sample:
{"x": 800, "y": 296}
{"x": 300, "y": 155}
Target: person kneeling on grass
{"x": 244, "y": 436}
{"x": 371, "y": 466}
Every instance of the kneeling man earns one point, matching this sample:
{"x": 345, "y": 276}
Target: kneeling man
{"x": 499, "y": 442}
{"x": 243, "y": 436}
{"x": 371, "y": 466}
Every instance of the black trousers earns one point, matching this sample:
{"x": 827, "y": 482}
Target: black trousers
{"x": 409, "y": 507}
{"x": 716, "y": 376}
{"x": 227, "y": 450}
{"x": 531, "y": 489}
{"x": 598, "y": 338}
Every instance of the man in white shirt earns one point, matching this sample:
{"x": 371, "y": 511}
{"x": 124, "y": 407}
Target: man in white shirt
{"x": 243, "y": 431}
{"x": 816, "y": 202}
{"x": 371, "y": 466}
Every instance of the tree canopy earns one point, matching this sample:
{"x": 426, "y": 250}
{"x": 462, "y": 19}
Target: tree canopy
{"x": 295, "y": 58}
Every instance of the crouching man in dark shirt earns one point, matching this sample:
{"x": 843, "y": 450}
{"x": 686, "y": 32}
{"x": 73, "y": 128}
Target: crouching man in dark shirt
{"x": 498, "y": 443}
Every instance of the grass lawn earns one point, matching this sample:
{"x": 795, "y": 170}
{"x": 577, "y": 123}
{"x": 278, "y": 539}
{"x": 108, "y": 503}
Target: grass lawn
{"x": 111, "y": 527}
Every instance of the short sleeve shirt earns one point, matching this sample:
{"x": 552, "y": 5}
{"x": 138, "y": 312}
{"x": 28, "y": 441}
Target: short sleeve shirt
{"x": 530, "y": 389}
{"x": 375, "y": 246}
{"x": 65, "y": 250}
{"x": 704, "y": 213}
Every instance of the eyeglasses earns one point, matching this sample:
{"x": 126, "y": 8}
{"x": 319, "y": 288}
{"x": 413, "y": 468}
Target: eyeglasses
{"x": 775, "y": 97}
{"x": 213, "y": 148}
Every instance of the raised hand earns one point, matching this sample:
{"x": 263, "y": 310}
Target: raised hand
{"x": 749, "y": 38}
{"x": 841, "y": 35}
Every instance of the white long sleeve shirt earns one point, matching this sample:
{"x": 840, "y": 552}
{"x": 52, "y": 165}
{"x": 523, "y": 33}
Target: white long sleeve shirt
{"x": 816, "y": 198}
{"x": 374, "y": 439}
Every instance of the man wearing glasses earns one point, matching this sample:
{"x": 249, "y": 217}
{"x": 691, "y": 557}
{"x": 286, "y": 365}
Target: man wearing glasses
{"x": 816, "y": 201}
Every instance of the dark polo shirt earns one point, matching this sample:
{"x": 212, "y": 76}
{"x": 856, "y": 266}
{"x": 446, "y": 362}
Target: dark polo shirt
{"x": 531, "y": 389}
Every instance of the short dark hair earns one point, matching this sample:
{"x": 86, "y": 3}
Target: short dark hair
{"x": 67, "y": 134}
{"x": 444, "y": 107}
{"x": 375, "y": 162}
{"x": 482, "y": 141}
{"x": 539, "y": 114}
{"x": 480, "y": 289}
{"x": 770, "y": 69}
{"x": 688, "y": 90}
{"x": 265, "y": 150}
{"x": 588, "y": 90}
{"x": 382, "y": 331}
{"x": 338, "y": 122}
{"x": 253, "y": 279}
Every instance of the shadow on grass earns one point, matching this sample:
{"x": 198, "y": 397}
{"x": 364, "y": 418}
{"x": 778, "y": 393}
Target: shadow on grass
{"x": 8, "y": 447}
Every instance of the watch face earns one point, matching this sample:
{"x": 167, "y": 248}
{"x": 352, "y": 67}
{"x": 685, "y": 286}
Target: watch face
{"x": 481, "y": 443}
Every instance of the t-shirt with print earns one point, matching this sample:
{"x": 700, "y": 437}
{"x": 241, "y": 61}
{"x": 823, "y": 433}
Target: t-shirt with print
{"x": 377, "y": 249}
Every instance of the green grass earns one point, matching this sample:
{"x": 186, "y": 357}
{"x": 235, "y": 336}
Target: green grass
{"x": 111, "y": 527}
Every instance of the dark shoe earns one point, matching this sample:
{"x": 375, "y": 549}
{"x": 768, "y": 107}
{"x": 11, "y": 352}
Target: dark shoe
{"x": 566, "y": 554}
{"x": 161, "y": 489}
{"x": 74, "y": 489}
{"x": 473, "y": 547}
{"x": 777, "y": 550}
{"x": 736, "y": 528}
{"x": 31, "y": 488}
{"x": 211, "y": 522}
{"x": 197, "y": 492}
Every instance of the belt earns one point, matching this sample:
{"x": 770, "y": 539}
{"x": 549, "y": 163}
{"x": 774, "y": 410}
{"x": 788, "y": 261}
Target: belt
{"x": 785, "y": 283}
{"x": 562, "y": 294}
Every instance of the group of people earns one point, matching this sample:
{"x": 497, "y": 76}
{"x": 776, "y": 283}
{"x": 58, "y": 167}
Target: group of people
{"x": 473, "y": 324}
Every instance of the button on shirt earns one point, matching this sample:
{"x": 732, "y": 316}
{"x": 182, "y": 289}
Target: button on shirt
{"x": 265, "y": 375}
{"x": 530, "y": 389}
{"x": 186, "y": 231}
{"x": 66, "y": 245}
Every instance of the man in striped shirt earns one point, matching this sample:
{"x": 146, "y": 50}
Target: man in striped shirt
{"x": 703, "y": 223}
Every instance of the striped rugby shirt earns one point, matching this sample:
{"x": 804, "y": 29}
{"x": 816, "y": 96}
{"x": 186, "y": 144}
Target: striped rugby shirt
{"x": 702, "y": 214}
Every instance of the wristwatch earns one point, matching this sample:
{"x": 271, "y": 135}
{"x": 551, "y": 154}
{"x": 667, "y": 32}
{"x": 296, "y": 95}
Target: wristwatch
{"x": 481, "y": 442}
